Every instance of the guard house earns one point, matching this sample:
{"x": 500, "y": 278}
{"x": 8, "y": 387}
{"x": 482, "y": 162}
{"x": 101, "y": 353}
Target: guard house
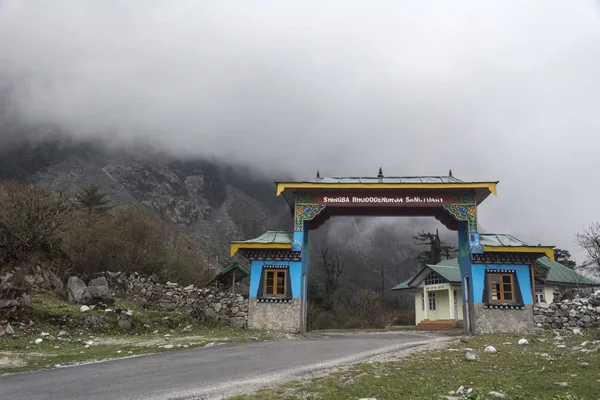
{"x": 438, "y": 288}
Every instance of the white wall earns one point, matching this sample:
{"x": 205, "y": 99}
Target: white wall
{"x": 459, "y": 301}
{"x": 418, "y": 310}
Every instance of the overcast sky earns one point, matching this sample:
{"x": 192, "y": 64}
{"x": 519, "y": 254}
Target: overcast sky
{"x": 504, "y": 90}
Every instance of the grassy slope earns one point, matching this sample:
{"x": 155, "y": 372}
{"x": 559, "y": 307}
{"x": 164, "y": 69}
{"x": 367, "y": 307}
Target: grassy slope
{"x": 147, "y": 334}
{"x": 520, "y": 372}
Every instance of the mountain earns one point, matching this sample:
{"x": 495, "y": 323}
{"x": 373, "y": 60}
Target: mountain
{"x": 216, "y": 202}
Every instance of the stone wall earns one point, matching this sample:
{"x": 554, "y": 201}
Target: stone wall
{"x": 277, "y": 316}
{"x": 201, "y": 303}
{"x": 493, "y": 320}
{"x": 579, "y": 312}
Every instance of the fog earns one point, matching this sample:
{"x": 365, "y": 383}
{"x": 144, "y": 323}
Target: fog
{"x": 504, "y": 90}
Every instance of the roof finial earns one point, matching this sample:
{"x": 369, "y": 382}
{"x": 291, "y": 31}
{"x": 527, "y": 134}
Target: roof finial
{"x": 318, "y": 175}
{"x": 380, "y": 175}
{"x": 450, "y": 173}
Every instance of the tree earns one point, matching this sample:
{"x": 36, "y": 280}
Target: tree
{"x": 31, "y": 220}
{"x": 333, "y": 270}
{"x": 564, "y": 257}
{"x": 437, "y": 248}
{"x": 93, "y": 201}
{"x": 589, "y": 240}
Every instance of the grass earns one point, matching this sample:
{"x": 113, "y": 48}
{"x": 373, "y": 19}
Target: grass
{"x": 519, "y": 371}
{"x": 99, "y": 331}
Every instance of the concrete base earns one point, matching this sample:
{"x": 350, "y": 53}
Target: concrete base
{"x": 492, "y": 320}
{"x": 284, "y": 317}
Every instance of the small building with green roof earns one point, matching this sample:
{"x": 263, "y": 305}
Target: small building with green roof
{"x": 438, "y": 291}
{"x": 229, "y": 277}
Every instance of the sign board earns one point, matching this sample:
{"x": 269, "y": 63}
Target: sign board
{"x": 387, "y": 198}
{"x": 441, "y": 286}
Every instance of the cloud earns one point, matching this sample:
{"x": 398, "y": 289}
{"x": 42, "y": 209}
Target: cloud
{"x": 503, "y": 91}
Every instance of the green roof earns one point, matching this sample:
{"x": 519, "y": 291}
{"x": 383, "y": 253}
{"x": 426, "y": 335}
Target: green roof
{"x": 561, "y": 274}
{"x": 388, "y": 179}
{"x": 500, "y": 240}
{"x": 449, "y": 272}
{"x": 229, "y": 270}
{"x": 275, "y": 237}
{"x": 403, "y": 285}
{"x": 503, "y": 240}
{"x": 558, "y": 273}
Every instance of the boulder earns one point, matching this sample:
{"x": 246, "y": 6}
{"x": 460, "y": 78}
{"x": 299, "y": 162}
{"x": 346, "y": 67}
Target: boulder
{"x": 125, "y": 319}
{"x": 76, "y": 289}
{"x": 98, "y": 292}
{"x": 490, "y": 349}
{"x": 9, "y": 330}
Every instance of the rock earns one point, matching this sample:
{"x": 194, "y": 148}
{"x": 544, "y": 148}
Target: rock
{"x": 584, "y": 364}
{"x": 125, "y": 319}
{"x": 84, "y": 308}
{"x": 562, "y": 384}
{"x": 465, "y": 339}
{"x": 94, "y": 321}
{"x": 45, "y": 334}
{"x": 9, "y": 330}
{"x": 237, "y": 322}
{"x": 38, "y": 340}
{"x": 75, "y": 289}
{"x": 561, "y": 346}
{"x": 496, "y": 395}
{"x": 98, "y": 292}
{"x": 470, "y": 356}
{"x": 490, "y": 349}
{"x": 187, "y": 329}
{"x": 523, "y": 341}
{"x": 168, "y": 346}
{"x": 62, "y": 334}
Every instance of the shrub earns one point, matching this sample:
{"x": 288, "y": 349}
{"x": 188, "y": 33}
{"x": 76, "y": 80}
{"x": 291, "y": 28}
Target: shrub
{"x": 31, "y": 220}
{"x": 131, "y": 239}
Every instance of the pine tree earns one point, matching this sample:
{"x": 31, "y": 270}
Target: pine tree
{"x": 437, "y": 248}
{"x": 93, "y": 201}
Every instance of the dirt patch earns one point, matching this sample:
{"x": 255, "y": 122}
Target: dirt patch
{"x": 11, "y": 362}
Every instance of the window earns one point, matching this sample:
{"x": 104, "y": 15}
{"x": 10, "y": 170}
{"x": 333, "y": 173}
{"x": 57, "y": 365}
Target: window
{"x": 431, "y": 297}
{"x": 433, "y": 279}
{"x": 501, "y": 288}
{"x": 539, "y": 295}
{"x": 275, "y": 282}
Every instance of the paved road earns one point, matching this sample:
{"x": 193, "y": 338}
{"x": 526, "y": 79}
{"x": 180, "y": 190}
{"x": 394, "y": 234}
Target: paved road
{"x": 201, "y": 373}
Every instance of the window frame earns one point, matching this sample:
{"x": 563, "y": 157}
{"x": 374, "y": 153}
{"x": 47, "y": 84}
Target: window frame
{"x": 431, "y": 301}
{"x": 502, "y": 292}
{"x": 275, "y": 285}
{"x": 541, "y": 294}
{"x": 272, "y": 271}
{"x": 434, "y": 279}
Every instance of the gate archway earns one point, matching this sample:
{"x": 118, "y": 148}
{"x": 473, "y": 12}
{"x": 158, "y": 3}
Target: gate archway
{"x": 279, "y": 260}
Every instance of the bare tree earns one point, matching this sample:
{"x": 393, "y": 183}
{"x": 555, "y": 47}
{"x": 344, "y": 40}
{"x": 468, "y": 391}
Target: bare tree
{"x": 589, "y": 240}
{"x": 333, "y": 270}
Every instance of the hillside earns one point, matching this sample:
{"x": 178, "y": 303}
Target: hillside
{"x": 216, "y": 202}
